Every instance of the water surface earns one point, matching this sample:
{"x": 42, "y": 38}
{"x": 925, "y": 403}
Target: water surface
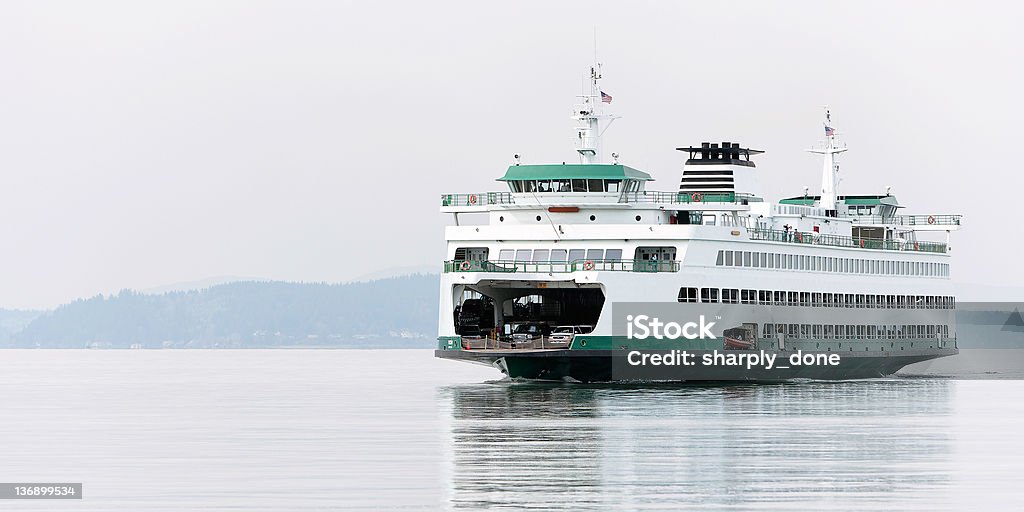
{"x": 400, "y": 430}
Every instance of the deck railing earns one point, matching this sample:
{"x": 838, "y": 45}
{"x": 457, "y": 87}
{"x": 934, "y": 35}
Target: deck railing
{"x": 560, "y": 267}
{"x": 844, "y": 241}
{"x": 481, "y": 199}
{"x": 909, "y": 220}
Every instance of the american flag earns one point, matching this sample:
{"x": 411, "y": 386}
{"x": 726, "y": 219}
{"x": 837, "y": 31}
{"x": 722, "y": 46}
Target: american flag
{"x": 829, "y": 131}
{"x": 605, "y": 98}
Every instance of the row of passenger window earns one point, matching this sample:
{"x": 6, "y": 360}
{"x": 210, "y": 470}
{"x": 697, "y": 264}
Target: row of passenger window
{"x": 573, "y": 185}
{"x": 558, "y": 255}
{"x": 815, "y": 299}
{"x": 855, "y": 332}
{"x": 830, "y": 264}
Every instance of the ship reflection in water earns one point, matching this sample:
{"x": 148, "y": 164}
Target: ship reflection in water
{"x": 863, "y": 445}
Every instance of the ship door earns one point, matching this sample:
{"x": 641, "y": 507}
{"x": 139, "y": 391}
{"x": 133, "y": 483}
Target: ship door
{"x": 653, "y": 259}
{"x": 476, "y": 256}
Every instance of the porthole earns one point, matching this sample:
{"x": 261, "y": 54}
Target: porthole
{"x": 538, "y": 218}
{"x": 638, "y": 218}
{"x": 501, "y": 219}
{"x": 593, "y": 218}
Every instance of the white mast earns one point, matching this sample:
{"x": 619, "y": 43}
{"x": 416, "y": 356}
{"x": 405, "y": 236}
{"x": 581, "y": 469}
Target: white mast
{"x": 588, "y": 114}
{"x": 830, "y": 167}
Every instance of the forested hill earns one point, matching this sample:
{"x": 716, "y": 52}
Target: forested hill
{"x": 399, "y": 312}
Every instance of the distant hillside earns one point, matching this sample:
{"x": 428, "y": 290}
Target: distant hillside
{"x": 399, "y": 311}
{"x": 14, "y": 320}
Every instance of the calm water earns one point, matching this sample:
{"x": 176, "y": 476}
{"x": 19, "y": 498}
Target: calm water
{"x": 398, "y": 430}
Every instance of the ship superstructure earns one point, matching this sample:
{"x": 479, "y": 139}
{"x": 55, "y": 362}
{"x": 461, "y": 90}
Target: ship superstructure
{"x": 565, "y": 241}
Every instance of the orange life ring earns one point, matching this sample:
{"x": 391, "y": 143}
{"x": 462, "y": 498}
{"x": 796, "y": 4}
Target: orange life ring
{"x": 931, "y": 219}
{"x": 697, "y": 197}
{"x": 588, "y": 265}
{"x": 472, "y": 199}
{"x": 465, "y": 265}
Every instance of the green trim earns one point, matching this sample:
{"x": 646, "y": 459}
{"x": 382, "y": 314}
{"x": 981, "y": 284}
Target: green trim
{"x": 589, "y": 342}
{"x": 573, "y": 171}
{"x": 449, "y": 342}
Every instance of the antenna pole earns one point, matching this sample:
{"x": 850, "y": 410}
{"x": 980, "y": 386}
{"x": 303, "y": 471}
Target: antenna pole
{"x": 830, "y": 167}
{"x": 588, "y": 114}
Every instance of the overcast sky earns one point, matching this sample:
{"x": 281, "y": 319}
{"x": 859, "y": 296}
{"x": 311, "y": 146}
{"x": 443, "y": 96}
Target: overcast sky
{"x": 146, "y": 143}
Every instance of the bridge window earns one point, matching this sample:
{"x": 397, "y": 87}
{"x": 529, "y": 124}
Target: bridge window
{"x": 558, "y": 254}
{"x": 613, "y": 254}
{"x": 523, "y": 254}
{"x": 541, "y": 255}
{"x": 576, "y": 254}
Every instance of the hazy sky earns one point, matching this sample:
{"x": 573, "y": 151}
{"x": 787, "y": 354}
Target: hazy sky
{"x": 146, "y": 143}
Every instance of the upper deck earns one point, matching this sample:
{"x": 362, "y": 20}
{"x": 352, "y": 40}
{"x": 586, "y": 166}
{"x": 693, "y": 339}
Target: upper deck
{"x": 487, "y": 201}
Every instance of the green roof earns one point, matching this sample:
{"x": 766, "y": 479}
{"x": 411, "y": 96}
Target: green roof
{"x": 805, "y": 201}
{"x": 573, "y": 171}
{"x": 856, "y": 200}
{"x": 870, "y": 200}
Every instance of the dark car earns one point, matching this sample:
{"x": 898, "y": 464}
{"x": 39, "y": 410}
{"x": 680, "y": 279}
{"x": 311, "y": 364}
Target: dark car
{"x": 526, "y": 332}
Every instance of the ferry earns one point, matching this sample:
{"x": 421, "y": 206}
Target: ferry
{"x": 533, "y": 273}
